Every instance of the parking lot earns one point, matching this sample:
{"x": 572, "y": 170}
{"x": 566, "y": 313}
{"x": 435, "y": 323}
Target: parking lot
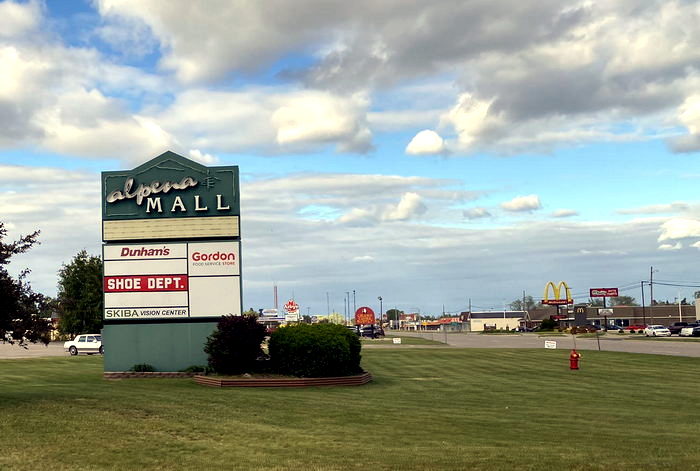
{"x": 673, "y": 346}
{"x": 53, "y": 349}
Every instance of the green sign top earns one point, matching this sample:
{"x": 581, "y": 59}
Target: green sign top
{"x": 170, "y": 186}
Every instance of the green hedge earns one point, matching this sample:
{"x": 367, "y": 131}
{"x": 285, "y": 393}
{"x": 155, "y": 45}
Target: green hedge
{"x": 315, "y": 351}
{"x": 235, "y": 344}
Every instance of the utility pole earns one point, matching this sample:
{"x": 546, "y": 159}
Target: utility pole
{"x": 644, "y": 311}
{"x": 354, "y": 305}
{"x": 328, "y": 304}
{"x": 651, "y": 294}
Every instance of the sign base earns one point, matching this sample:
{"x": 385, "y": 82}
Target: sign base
{"x": 165, "y": 346}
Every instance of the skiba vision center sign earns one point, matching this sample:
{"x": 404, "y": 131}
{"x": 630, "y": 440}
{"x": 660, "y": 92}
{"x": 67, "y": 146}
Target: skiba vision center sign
{"x": 171, "y": 256}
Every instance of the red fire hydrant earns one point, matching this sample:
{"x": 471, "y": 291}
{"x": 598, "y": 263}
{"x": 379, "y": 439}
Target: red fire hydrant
{"x": 573, "y": 359}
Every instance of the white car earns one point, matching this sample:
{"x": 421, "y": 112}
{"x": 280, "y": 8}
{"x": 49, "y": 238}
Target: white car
{"x": 657, "y": 331}
{"x": 85, "y": 343}
{"x": 689, "y": 331}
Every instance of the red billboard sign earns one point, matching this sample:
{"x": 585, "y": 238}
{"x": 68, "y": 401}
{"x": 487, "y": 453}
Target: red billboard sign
{"x": 145, "y": 283}
{"x": 364, "y": 316}
{"x": 604, "y": 292}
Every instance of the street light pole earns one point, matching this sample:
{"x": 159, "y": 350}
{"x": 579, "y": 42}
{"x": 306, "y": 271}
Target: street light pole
{"x": 381, "y": 311}
{"x": 354, "y": 304}
{"x": 651, "y": 294}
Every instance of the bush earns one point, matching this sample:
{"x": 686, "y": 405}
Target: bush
{"x": 142, "y": 367}
{"x": 549, "y": 324}
{"x": 235, "y": 344}
{"x": 315, "y": 351}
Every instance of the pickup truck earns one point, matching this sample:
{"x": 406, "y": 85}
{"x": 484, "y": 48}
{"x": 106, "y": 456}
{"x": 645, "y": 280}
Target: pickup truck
{"x": 676, "y": 327}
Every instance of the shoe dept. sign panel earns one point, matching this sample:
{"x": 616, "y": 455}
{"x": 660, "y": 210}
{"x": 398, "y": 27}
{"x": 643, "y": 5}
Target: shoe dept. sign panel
{"x": 172, "y": 280}
{"x": 168, "y": 198}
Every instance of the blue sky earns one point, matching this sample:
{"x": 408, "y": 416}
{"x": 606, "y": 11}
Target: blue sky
{"x": 430, "y": 155}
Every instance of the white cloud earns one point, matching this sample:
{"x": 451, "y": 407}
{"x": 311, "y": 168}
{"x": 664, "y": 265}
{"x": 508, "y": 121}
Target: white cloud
{"x": 426, "y": 142}
{"x": 316, "y": 117}
{"x": 469, "y": 117}
{"x": 564, "y": 213}
{"x": 410, "y": 206}
{"x": 522, "y": 203}
{"x": 476, "y": 213}
{"x": 363, "y": 258}
{"x": 674, "y": 207}
{"x": 676, "y": 246}
{"x": 18, "y": 18}
{"x": 679, "y": 228}
{"x": 689, "y": 116}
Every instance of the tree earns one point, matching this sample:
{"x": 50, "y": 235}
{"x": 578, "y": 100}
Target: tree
{"x": 19, "y": 304}
{"x": 251, "y": 312}
{"x": 393, "y": 314}
{"x": 80, "y": 295}
{"x": 595, "y": 302}
{"x": 518, "y": 305}
{"x": 623, "y": 301}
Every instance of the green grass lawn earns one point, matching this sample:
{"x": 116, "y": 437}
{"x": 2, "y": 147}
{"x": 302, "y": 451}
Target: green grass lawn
{"x": 437, "y": 409}
{"x": 412, "y": 340}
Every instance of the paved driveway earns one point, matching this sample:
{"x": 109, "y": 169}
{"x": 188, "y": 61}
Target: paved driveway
{"x": 53, "y": 349}
{"x": 675, "y": 346}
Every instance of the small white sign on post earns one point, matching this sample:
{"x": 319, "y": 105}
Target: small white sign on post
{"x": 550, "y": 344}
{"x": 396, "y": 340}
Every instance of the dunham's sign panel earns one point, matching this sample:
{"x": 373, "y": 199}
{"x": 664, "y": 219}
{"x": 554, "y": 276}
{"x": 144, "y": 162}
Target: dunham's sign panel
{"x": 171, "y": 281}
{"x": 170, "y": 198}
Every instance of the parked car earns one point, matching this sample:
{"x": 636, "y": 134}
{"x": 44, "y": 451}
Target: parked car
{"x": 657, "y": 331}
{"x": 614, "y": 327}
{"x": 676, "y": 327}
{"x": 691, "y": 330}
{"x": 371, "y": 331}
{"x": 85, "y": 343}
{"x": 353, "y": 329}
{"x": 636, "y": 328}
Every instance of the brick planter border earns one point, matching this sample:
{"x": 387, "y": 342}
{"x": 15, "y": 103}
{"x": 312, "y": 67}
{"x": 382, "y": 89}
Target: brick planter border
{"x": 216, "y": 382}
{"x": 145, "y": 374}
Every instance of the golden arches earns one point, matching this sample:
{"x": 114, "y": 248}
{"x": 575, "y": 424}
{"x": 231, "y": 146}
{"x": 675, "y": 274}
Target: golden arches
{"x": 556, "y": 291}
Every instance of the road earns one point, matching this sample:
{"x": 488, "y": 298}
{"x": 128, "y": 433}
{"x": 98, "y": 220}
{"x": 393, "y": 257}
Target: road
{"x": 54, "y": 349}
{"x": 610, "y": 343}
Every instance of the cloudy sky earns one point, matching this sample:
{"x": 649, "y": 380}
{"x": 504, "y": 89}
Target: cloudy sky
{"x": 426, "y": 152}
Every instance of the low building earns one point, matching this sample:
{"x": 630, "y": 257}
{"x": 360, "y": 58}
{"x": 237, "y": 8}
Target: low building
{"x": 499, "y": 320}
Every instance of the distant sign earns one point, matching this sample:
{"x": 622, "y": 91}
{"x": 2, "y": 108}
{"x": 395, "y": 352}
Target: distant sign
{"x": 605, "y": 312}
{"x": 291, "y": 307}
{"x": 364, "y": 316}
{"x": 604, "y": 292}
{"x": 397, "y": 340}
{"x": 552, "y": 344}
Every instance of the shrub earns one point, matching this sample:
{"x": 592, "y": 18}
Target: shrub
{"x": 142, "y": 367}
{"x": 548, "y": 324}
{"x": 235, "y": 344}
{"x": 315, "y": 350}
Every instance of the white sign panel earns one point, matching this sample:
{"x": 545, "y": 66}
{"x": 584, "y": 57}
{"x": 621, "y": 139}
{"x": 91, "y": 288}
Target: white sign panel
{"x": 550, "y": 344}
{"x": 396, "y": 340}
{"x": 178, "y": 280}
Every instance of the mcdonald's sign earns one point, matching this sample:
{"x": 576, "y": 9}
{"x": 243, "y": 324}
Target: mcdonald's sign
{"x": 557, "y": 298}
